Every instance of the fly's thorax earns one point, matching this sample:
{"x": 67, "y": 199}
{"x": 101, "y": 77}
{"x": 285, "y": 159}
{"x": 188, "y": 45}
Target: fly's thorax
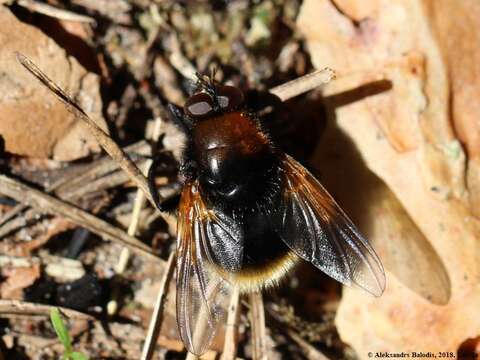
{"x": 236, "y": 161}
{"x": 235, "y": 129}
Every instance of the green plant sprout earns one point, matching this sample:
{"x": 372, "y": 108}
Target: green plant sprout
{"x": 64, "y": 337}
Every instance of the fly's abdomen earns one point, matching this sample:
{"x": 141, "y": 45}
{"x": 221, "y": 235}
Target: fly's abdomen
{"x": 266, "y": 258}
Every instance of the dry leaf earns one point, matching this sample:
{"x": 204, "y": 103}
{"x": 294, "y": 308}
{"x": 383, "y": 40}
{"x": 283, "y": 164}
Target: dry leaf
{"x": 418, "y": 137}
{"x": 32, "y": 121}
{"x": 17, "y": 279}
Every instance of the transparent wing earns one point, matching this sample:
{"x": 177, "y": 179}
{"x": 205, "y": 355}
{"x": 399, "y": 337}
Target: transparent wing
{"x": 311, "y": 223}
{"x": 202, "y": 294}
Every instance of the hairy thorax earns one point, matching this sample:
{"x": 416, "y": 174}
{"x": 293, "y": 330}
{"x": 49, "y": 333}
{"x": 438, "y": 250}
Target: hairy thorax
{"x": 235, "y": 159}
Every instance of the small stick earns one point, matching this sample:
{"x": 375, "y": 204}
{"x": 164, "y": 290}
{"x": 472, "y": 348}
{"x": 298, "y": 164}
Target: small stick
{"x": 157, "y": 315}
{"x": 112, "y": 180}
{"x": 303, "y": 84}
{"x": 257, "y": 320}
{"x": 54, "y": 12}
{"x": 17, "y": 209}
{"x": 102, "y": 137}
{"x": 112, "y": 305}
{"x": 179, "y": 61}
{"x": 345, "y": 80}
{"x": 115, "y": 179}
{"x": 51, "y": 205}
{"x": 73, "y": 186}
{"x": 139, "y": 198}
{"x": 97, "y": 169}
{"x": 9, "y": 307}
{"x": 231, "y": 334}
{"x": 309, "y": 351}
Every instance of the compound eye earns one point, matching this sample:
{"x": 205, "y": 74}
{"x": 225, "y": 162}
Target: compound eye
{"x": 199, "y": 105}
{"x": 229, "y": 97}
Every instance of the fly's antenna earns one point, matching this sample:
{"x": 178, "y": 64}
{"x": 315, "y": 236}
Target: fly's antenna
{"x": 208, "y": 84}
{"x": 213, "y": 72}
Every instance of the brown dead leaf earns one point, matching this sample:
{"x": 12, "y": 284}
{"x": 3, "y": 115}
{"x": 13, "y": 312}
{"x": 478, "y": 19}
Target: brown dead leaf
{"x": 17, "y": 279}
{"x": 456, "y": 27}
{"x": 32, "y": 121}
{"x": 419, "y": 137}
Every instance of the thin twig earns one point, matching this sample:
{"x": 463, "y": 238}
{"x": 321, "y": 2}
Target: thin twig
{"x": 98, "y": 169}
{"x": 309, "y": 351}
{"x": 157, "y": 315}
{"x": 54, "y": 12}
{"x": 102, "y": 137}
{"x": 138, "y": 204}
{"x": 75, "y": 185}
{"x": 259, "y": 333}
{"x": 140, "y": 198}
{"x": 9, "y": 307}
{"x": 303, "y": 84}
{"x": 231, "y": 334}
{"x": 17, "y": 209}
{"x": 112, "y": 180}
{"x": 178, "y": 60}
{"x": 124, "y": 257}
{"x": 36, "y": 198}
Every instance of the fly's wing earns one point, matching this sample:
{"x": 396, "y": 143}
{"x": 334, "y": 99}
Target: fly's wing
{"x": 202, "y": 293}
{"x": 225, "y": 241}
{"x": 311, "y": 223}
